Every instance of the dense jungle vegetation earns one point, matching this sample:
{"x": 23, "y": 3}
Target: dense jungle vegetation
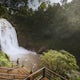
{"x": 49, "y": 27}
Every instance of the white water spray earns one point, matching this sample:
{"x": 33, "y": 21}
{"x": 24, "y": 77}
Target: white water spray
{"x": 8, "y": 41}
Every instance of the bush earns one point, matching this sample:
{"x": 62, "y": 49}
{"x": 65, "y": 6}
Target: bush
{"x": 4, "y": 60}
{"x": 61, "y": 62}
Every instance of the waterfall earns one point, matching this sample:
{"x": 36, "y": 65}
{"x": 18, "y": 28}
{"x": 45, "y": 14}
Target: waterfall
{"x": 8, "y": 41}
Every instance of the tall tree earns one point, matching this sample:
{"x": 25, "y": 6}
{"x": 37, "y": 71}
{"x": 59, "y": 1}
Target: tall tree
{"x": 63, "y": 2}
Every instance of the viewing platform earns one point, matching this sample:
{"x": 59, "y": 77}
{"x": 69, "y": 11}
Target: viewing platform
{"x": 17, "y": 73}
{"x": 22, "y": 73}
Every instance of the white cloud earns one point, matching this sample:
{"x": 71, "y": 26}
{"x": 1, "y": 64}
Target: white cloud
{"x": 56, "y": 1}
{"x": 36, "y": 4}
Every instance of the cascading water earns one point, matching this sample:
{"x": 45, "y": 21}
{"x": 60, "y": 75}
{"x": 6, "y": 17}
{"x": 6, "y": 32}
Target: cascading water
{"x": 8, "y": 41}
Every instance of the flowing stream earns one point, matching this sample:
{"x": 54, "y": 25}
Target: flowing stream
{"x": 9, "y": 44}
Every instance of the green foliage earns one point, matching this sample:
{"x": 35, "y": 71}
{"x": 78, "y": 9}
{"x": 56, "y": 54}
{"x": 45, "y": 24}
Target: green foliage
{"x": 63, "y": 1}
{"x": 3, "y": 12}
{"x": 23, "y": 11}
{"x": 62, "y": 62}
{"x": 4, "y": 60}
{"x": 42, "y": 6}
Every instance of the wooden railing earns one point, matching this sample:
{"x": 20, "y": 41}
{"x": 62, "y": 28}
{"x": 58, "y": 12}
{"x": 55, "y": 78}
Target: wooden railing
{"x": 38, "y": 75}
{"x": 44, "y": 72}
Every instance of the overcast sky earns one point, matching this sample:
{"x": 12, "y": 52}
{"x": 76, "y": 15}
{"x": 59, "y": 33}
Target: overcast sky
{"x": 52, "y": 1}
{"x": 36, "y": 3}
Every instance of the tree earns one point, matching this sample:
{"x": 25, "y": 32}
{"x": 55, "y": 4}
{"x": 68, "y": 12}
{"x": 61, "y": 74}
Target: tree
{"x": 61, "y": 62}
{"x": 3, "y": 12}
{"x": 63, "y": 1}
{"x": 42, "y": 6}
